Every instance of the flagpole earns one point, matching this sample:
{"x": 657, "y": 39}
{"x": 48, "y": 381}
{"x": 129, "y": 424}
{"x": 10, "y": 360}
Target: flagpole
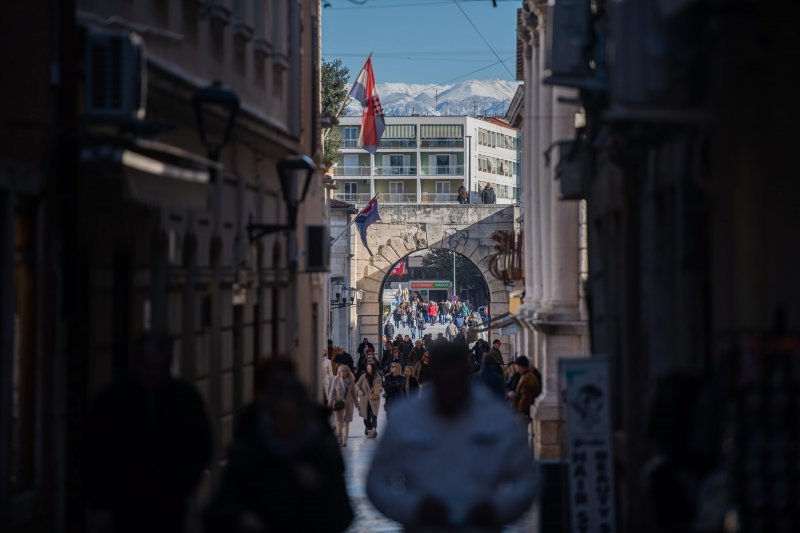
{"x": 346, "y": 100}
{"x": 352, "y": 221}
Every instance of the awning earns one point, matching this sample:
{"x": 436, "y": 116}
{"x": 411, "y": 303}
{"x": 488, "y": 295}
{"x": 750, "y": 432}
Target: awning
{"x": 154, "y": 173}
{"x": 504, "y": 321}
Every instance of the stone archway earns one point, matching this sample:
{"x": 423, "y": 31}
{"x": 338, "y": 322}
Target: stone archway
{"x": 466, "y": 230}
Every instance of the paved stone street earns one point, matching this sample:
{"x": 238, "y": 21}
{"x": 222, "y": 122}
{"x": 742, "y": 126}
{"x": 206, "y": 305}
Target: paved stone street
{"x": 358, "y": 457}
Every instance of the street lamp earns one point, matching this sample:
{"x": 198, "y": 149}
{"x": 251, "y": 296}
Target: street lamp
{"x": 291, "y": 171}
{"x": 211, "y": 104}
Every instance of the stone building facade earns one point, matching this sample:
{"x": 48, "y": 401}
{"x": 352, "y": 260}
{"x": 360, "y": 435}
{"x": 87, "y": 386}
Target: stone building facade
{"x": 113, "y": 227}
{"x": 555, "y": 245}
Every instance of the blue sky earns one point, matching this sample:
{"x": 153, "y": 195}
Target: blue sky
{"x": 421, "y": 41}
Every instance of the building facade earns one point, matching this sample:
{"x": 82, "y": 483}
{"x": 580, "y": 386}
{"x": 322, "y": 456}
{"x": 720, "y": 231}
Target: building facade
{"x": 683, "y": 151}
{"x": 424, "y": 160}
{"x": 118, "y": 218}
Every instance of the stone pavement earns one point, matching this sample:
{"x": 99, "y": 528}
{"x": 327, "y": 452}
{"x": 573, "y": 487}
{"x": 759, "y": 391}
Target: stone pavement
{"x": 358, "y": 457}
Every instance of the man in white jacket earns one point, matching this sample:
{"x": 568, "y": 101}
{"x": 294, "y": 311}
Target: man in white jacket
{"x": 454, "y": 459}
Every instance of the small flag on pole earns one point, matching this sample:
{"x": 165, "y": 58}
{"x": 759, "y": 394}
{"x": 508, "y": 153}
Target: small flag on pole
{"x": 372, "y": 122}
{"x": 365, "y": 218}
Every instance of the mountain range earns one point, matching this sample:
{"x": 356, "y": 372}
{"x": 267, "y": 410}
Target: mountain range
{"x": 469, "y": 97}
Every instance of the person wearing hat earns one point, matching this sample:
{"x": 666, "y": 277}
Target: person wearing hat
{"x": 528, "y": 389}
{"x": 496, "y": 353}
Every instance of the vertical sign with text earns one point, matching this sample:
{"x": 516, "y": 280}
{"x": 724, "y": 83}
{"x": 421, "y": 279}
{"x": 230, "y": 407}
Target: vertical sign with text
{"x": 587, "y": 404}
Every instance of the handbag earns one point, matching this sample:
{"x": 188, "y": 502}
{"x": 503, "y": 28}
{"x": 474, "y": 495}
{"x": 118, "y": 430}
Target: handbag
{"x": 338, "y": 405}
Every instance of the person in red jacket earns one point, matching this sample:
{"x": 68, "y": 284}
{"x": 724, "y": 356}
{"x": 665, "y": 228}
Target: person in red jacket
{"x": 433, "y": 309}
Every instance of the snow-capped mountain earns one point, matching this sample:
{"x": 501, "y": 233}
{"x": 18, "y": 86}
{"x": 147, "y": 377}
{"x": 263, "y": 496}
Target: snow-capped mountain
{"x": 470, "y": 97}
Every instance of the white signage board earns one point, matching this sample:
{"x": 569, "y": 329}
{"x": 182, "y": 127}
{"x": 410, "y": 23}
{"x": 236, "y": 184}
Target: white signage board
{"x": 588, "y": 410}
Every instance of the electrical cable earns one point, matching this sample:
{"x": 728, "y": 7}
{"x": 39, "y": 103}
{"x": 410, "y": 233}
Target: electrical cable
{"x": 482, "y": 37}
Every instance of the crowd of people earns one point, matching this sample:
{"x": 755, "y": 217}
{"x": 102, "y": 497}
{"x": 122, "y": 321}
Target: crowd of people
{"x": 404, "y": 369}
{"x": 454, "y": 457}
{"x": 417, "y": 315}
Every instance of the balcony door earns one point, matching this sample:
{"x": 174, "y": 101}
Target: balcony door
{"x": 442, "y": 191}
{"x": 396, "y": 191}
{"x": 444, "y": 165}
{"x": 350, "y": 191}
{"x": 351, "y": 165}
{"x": 350, "y": 137}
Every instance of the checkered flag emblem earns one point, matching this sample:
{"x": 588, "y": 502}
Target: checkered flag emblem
{"x": 376, "y": 105}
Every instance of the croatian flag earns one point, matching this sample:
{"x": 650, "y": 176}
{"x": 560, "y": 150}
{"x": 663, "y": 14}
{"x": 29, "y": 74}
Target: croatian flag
{"x": 365, "y": 218}
{"x": 372, "y": 123}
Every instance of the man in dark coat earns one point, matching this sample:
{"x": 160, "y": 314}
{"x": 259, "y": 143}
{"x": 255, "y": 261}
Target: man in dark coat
{"x": 406, "y": 346}
{"x": 488, "y": 195}
{"x": 496, "y": 353}
{"x": 388, "y": 330}
{"x": 345, "y": 358}
{"x": 148, "y": 440}
{"x": 364, "y": 344}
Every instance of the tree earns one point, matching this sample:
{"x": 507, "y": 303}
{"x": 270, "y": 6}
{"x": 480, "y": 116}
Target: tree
{"x": 334, "y": 96}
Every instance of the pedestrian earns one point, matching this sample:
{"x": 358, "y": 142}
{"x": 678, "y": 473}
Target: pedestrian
{"x": 461, "y": 338}
{"x": 528, "y": 388}
{"x": 363, "y": 346}
{"x": 474, "y": 471}
{"x": 412, "y": 325}
{"x": 491, "y": 376}
{"x": 327, "y": 375}
{"x": 496, "y": 353}
{"x": 147, "y": 443}
{"x": 463, "y": 197}
{"x": 433, "y": 310}
{"x": 341, "y": 399}
{"x": 513, "y": 380}
{"x": 480, "y": 349}
{"x": 369, "y": 357}
{"x": 451, "y": 331}
{"x": 416, "y": 353}
{"x": 396, "y": 315}
{"x": 346, "y": 359}
{"x": 423, "y": 370}
{"x": 369, "y": 388}
{"x": 406, "y": 346}
{"x": 284, "y": 461}
{"x": 393, "y": 386}
{"x": 411, "y": 385}
{"x": 388, "y": 330}
{"x": 488, "y": 195}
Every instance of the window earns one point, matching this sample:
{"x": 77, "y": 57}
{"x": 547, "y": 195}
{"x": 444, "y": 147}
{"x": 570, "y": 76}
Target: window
{"x": 350, "y": 165}
{"x": 350, "y": 137}
{"x": 442, "y": 187}
{"x": 442, "y": 164}
{"x": 396, "y": 187}
{"x": 350, "y": 191}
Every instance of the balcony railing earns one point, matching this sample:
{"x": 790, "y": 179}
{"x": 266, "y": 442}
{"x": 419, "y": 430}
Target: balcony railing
{"x": 351, "y": 171}
{"x": 439, "y": 198}
{"x": 359, "y": 199}
{"x": 442, "y": 143}
{"x": 398, "y": 197}
{"x": 455, "y": 170}
{"x": 395, "y": 171}
{"x": 350, "y": 143}
{"x": 398, "y": 143}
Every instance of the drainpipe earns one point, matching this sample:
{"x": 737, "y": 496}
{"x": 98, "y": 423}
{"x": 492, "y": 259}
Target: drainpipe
{"x": 469, "y": 171}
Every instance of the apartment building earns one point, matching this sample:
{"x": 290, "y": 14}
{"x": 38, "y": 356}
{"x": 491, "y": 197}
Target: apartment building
{"x": 425, "y": 159}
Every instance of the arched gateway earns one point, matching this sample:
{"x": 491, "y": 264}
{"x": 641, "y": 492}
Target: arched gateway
{"x": 465, "y": 229}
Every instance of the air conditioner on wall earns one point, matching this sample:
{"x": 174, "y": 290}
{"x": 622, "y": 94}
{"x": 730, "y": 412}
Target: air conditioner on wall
{"x": 116, "y": 75}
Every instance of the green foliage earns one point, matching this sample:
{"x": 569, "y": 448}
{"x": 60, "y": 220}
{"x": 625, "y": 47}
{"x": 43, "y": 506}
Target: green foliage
{"x": 334, "y": 95}
{"x": 334, "y": 85}
{"x": 332, "y": 147}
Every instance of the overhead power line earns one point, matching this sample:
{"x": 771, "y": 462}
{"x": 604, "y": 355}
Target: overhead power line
{"x": 482, "y": 37}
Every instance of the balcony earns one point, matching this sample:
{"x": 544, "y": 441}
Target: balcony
{"x": 455, "y": 170}
{"x": 442, "y": 143}
{"x": 350, "y": 143}
{"x": 351, "y": 171}
{"x": 398, "y": 143}
{"x": 439, "y": 198}
{"x": 398, "y": 197}
{"x": 395, "y": 171}
{"x": 356, "y": 198}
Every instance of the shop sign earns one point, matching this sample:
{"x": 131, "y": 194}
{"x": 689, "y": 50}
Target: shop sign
{"x": 590, "y": 459}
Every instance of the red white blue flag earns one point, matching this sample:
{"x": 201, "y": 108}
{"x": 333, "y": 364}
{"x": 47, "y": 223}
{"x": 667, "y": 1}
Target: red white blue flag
{"x": 365, "y": 218}
{"x": 372, "y": 122}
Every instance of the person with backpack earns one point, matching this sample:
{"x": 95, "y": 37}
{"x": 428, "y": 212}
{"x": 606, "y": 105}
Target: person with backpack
{"x": 528, "y": 388}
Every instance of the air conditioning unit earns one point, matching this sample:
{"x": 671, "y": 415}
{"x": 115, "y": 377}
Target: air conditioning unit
{"x": 116, "y": 75}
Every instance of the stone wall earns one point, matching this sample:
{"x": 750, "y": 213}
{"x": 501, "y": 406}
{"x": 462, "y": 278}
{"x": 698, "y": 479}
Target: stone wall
{"x": 465, "y": 229}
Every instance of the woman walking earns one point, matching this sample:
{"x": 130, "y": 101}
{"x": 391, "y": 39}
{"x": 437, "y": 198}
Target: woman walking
{"x": 424, "y": 372}
{"x": 369, "y": 399}
{"x": 341, "y": 399}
